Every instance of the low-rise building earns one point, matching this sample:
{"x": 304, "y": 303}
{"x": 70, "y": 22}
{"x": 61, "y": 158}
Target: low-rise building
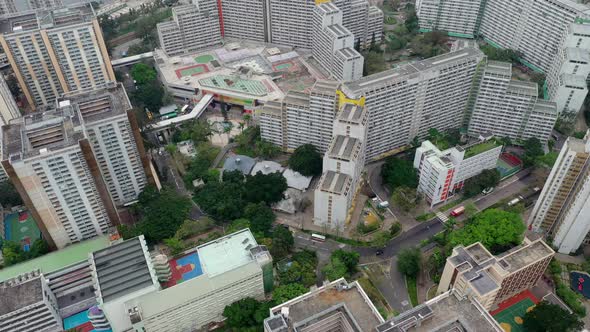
{"x": 337, "y": 306}
{"x": 443, "y": 173}
{"x": 447, "y": 312}
{"x": 473, "y": 272}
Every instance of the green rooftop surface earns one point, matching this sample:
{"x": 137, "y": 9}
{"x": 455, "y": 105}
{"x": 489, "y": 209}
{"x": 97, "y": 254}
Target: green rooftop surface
{"x": 480, "y": 148}
{"x": 57, "y": 259}
{"x": 234, "y": 83}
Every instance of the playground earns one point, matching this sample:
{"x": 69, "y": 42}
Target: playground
{"x": 580, "y": 282}
{"x": 510, "y": 313}
{"x": 508, "y": 164}
{"x": 80, "y": 322}
{"x": 204, "y": 58}
{"x": 20, "y": 227}
{"x": 184, "y": 268}
{"x": 192, "y": 70}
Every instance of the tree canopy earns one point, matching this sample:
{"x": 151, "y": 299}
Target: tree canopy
{"x": 342, "y": 264}
{"x": 282, "y": 242}
{"x": 10, "y": 196}
{"x": 306, "y": 160}
{"x": 532, "y": 150}
{"x": 399, "y": 173}
{"x": 162, "y": 213}
{"x": 498, "y": 54}
{"x": 246, "y": 313}
{"x": 284, "y": 293}
{"x": 486, "y": 179}
{"x": 496, "y": 229}
{"x": 143, "y": 73}
{"x": 267, "y": 188}
{"x": 406, "y": 198}
{"x": 302, "y": 269}
{"x": 408, "y": 261}
{"x": 13, "y": 252}
{"x": 261, "y": 217}
{"x": 547, "y": 317}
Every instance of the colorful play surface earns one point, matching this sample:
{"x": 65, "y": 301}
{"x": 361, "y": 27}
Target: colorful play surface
{"x": 508, "y": 165}
{"x": 20, "y": 227}
{"x": 184, "y": 268}
{"x": 580, "y": 282}
{"x": 283, "y": 66}
{"x": 191, "y": 70}
{"x": 80, "y": 322}
{"x": 510, "y": 313}
{"x": 204, "y": 58}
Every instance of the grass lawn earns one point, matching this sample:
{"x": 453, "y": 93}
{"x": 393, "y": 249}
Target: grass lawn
{"x": 549, "y": 159}
{"x": 425, "y": 216}
{"x": 412, "y": 290}
{"x": 480, "y": 148}
{"x": 390, "y": 20}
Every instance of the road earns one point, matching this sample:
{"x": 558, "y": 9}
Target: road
{"x": 506, "y": 189}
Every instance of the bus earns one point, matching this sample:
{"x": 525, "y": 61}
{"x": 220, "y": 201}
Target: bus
{"x": 318, "y": 237}
{"x": 458, "y": 211}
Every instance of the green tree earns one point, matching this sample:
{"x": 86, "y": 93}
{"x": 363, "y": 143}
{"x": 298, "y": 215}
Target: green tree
{"x": 240, "y": 314}
{"x": 143, "y": 74}
{"x": 374, "y": 63}
{"x": 200, "y": 131}
{"x": 306, "y": 160}
{"x": 150, "y": 95}
{"x": 284, "y": 293}
{"x": 532, "y": 150}
{"x": 10, "y": 196}
{"x": 547, "y": 317}
{"x": 496, "y": 229}
{"x": 487, "y": 179}
{"x": 191, "y": 228}
{"x": 238, "y": 225}
{"x": 291, "y": 274}
{"x": 13, "y": 253}
{"x": 234, "y": 176}
{"x": 261, "y": 217}
{"x": 381, "y": 239}
{"x": 335, "y": 269}
{"x": 349, "y": 258}
{"x": 399, "y": 173}
{"x": 408, "y": 262}
{"x": 221, "y": 200}
{"x": 175, "y": 245}
{"x": 282, "y": 242}
{"x": 266, "y": 188}
{"x": 406, "y": 198}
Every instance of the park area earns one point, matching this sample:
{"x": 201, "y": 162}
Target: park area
{"x": 21, "y": 228}
{"x": 510, "y": 313}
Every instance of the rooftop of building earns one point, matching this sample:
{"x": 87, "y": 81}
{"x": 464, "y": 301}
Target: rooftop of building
{"x": 15, "y": 295}
{"x": 524, "y": 255}
{"x": 121, "y": 269}
{"x": 480, "y": 147}
{"x": 349, "y": 53}
{"x": 547, "y": 107}
{"x": 499, "y": 68}
{"x": 351, "y": 113}
{"x": 338, "y": 31}
{"x": 336, "y": 183}
{"x": 571, "y": 80}
{"x": 227, "y": 253}
{"x": 296, "y": 180}
{"x": 296, "y": 98}
{"x": 56, "y": 260}
{"x": 325, "y": 86}
{"x": 403, "y": 72}
{"x": 343, "y": 147}
{"x": 578, "y": 54}
{"x": 273, "y": 107}
{"x": 577, "y": 145}
{"x": 267, "y": 167}
{"x": 235, "y": 83}
{"x": 327, "y": 8}
{"x": 348, "y": 300}
{"x": 46, "y": 19}
{"x": 240, "y": 163}
{"x": 445, "y": 312}
{"x": 525, "y": 88}
{"x": 98, "y": 104}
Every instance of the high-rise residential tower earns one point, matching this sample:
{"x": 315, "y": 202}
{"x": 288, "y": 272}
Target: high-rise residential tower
{"x": 459, "y": 18}
{"x": 510, "y": 108}
{"x": 73, "y": 166}
{"x": 290, "y": 22}
{"x": 56, "y": 51}
{"x": 8, "y": 111}
{"x": 191, "y": 29}
{"x": 563, "y": 209}
{"x": 44, "y": 4}
{"x": 244, "y": 19}
{"x": 7, "y": 7}
{"x": 333, "y": 45}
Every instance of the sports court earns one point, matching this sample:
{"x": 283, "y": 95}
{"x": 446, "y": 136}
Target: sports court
{"x": 508, "y": 164}
{"x": 184, "y": 268}
{"x": 191, "y": 70}
{"x": 79, "y": 321}
{"x": 510, "y": 313}
{"x": 580, "y": 282}
{"x": 20, "y": 227}
{"x": 288, "y": 66}
{"x": 204, "y": 58}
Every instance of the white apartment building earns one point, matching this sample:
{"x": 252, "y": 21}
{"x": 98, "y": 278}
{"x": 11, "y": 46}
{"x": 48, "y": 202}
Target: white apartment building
{"x": 290, "y": 22}
{"x": 442, "y": 173}
{"x": 460, "y": 18}
{"x": 244, "y": 19}
{"x": 566, "y": 80}
{"x": 475, "y": 273}
{"x": 375, "y": 25}
{"x": 8, "y": 111}
{"x": 7, "y": 7}
{"x": 44, "y": 4}
{"x": 190, "y": 30}
{"x": 563, "y": 208}
{"x": 405, "y": 102}
{"x": 333, "y": 44}
{"x": 510, "y": 108}
{"x": 56, "y": 51}
{"x": 117, "y": 145}
{"x": 28, "y": 305}
{"x": 342, "y": 165}
{"x": 301, "y": 118}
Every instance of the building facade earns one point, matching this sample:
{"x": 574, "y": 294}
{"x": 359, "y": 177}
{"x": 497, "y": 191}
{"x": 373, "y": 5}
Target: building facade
{"x": 566, "y": 80}
{"x": 190, "y": 30}
{"x": 56, "y": 51}
{"x": 7, "y": 7}
{"x": 509, "y": 108}
{"x": 342, "y": 165}
{"x": 442, "y": 173}
{"x": 406, "y": 102}
{"x": 475, "y": 273}
{"x": 28, "y": 305}
{"x": 244, "y": 19}
{"x": 460, "y": 18}
{"x": 290, "y": 22}
{"x": 562, "y": 210}
{"x": 333, "y": 45}
{"x": 44, "y": 4}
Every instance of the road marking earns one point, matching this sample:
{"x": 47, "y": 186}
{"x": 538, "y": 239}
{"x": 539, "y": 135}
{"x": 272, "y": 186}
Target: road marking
{"x": 442, "y": 217}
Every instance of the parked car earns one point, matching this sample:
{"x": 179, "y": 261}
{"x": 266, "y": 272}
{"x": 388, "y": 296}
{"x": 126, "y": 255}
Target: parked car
{"x": 379, "y": 252}
{"x": 488, "y": 190}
